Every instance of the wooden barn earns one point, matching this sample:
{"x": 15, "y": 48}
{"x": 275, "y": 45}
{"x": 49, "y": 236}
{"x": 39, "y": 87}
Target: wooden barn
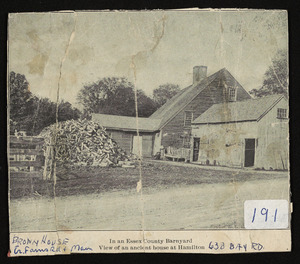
{"x": 123, "y": 129}
{"x": 178, "y": 113}
{"x": 251, "y": 133}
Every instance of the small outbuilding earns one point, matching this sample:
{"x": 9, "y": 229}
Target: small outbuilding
{"x": 251, "y": 133}
{"x": 133, "y": 134}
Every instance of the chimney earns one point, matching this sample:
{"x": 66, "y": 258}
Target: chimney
{"x": 199, "y": 73}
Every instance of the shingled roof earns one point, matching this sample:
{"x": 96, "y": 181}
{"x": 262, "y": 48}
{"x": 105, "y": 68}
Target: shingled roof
{"x": 126, "y": 123}
{"x": 173, "y": 106}
{"x": 248, "y": 110}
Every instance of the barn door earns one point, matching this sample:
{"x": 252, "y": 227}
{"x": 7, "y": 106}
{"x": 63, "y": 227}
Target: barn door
{"x": 196, "y": 147}
{"x": 147, "y": 146}
{"x": 249, "y": 152}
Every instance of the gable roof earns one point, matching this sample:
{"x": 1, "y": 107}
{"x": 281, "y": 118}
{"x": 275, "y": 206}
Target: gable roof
{"x": 173, "y": 106}
{"x": 126, "y": 123}
{"x": 248, "y": 110}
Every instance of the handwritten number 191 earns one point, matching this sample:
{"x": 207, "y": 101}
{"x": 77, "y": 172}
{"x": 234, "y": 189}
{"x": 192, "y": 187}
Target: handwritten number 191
{"x": 265, "y": 212}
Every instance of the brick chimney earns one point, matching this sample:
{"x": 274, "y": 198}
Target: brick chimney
{"x": 199, "y": 73}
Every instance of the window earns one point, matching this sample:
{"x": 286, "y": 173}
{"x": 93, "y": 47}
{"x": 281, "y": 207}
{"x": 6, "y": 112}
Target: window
{"x": 231, "y": 94}
{"x": 188, "y": 118}
{"x": 281, "y": 113}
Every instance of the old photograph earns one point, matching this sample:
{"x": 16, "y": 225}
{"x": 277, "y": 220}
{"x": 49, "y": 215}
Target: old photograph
{"x": 147, "y": 121}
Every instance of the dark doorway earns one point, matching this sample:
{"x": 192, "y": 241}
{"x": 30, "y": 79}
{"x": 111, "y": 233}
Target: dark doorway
{"x": 249, "y": 152}
{"x": 196, "y": 147}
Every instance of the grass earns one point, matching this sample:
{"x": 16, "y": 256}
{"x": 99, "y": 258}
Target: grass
{"x": 82, "y": 180}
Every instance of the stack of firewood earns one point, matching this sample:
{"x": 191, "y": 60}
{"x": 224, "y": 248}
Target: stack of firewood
{"x": 84, "y": 143}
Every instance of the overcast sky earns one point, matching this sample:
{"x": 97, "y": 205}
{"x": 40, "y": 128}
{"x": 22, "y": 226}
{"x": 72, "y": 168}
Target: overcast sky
{"x": 149, "y": 48}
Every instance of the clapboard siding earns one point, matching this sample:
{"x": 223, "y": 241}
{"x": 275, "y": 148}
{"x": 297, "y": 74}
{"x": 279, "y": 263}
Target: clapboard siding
{"x": 174, "y": 131}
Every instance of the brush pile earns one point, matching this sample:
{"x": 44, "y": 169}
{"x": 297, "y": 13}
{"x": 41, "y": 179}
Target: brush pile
{"x": 84, "y": 143}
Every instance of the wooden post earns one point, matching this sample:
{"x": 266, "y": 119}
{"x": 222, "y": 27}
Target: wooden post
{"x": 46, "y": 164}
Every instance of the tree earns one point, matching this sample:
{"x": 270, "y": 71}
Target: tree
{"x": 22, "y": 102}
{"x": 108, "y": 96}
{"x": 45, "y": 114}
{"x": 67, "y": 112}
{"x": 146, "y": 106}
{"x": 114, "y": 96}
{"x": 275, "y": 78}
{"x": 30, "y": 113}
{"x": 165, "y": 92}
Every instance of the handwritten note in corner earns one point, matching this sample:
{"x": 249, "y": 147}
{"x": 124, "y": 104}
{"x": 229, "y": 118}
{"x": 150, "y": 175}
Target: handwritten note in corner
{"x": 266, "y": 214}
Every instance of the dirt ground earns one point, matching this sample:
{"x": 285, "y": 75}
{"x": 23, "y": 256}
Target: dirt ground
{"x": 158, "y": 175}
{"x": 172, "y": 197}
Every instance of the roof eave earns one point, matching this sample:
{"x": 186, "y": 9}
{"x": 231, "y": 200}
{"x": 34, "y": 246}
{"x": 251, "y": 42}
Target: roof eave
{"x": 131, "y": 129}
{"x": 269, "y": 109}
{"x": 228, "y": 122}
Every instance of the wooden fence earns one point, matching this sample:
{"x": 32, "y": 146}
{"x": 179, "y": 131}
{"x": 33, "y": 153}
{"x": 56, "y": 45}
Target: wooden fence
{"x": 26, "y": 157}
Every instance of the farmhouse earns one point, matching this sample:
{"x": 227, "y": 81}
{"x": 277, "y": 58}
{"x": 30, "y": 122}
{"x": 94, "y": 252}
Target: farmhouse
{"x": 177, "y": 114}
{"x": 170, "y": 126}
{"x": 251, "y": 133}
{"x": 124, "y": 130}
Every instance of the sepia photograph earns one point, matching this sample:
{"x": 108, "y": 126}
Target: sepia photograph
{"x": 166, "y": 120}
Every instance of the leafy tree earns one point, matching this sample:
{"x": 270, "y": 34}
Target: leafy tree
{"x": 22, "y": 102}
{"x": 114, "y": 96}
{"x": 45, "y": 114}
{"x": 30, "y": 113}
{"x": 108, "y": 96}
{"x": 146, "y": 106}
{"x": 165, "y": 92}
{"x": 275, "y": 78}
{"x": 67, "y": 112}
{"x": 85, "y": 114}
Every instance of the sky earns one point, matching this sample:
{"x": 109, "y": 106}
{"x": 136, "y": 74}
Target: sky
{"x": 72, "y": 49}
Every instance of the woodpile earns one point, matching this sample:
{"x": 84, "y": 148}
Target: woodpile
{"x": 84, "y": 143}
